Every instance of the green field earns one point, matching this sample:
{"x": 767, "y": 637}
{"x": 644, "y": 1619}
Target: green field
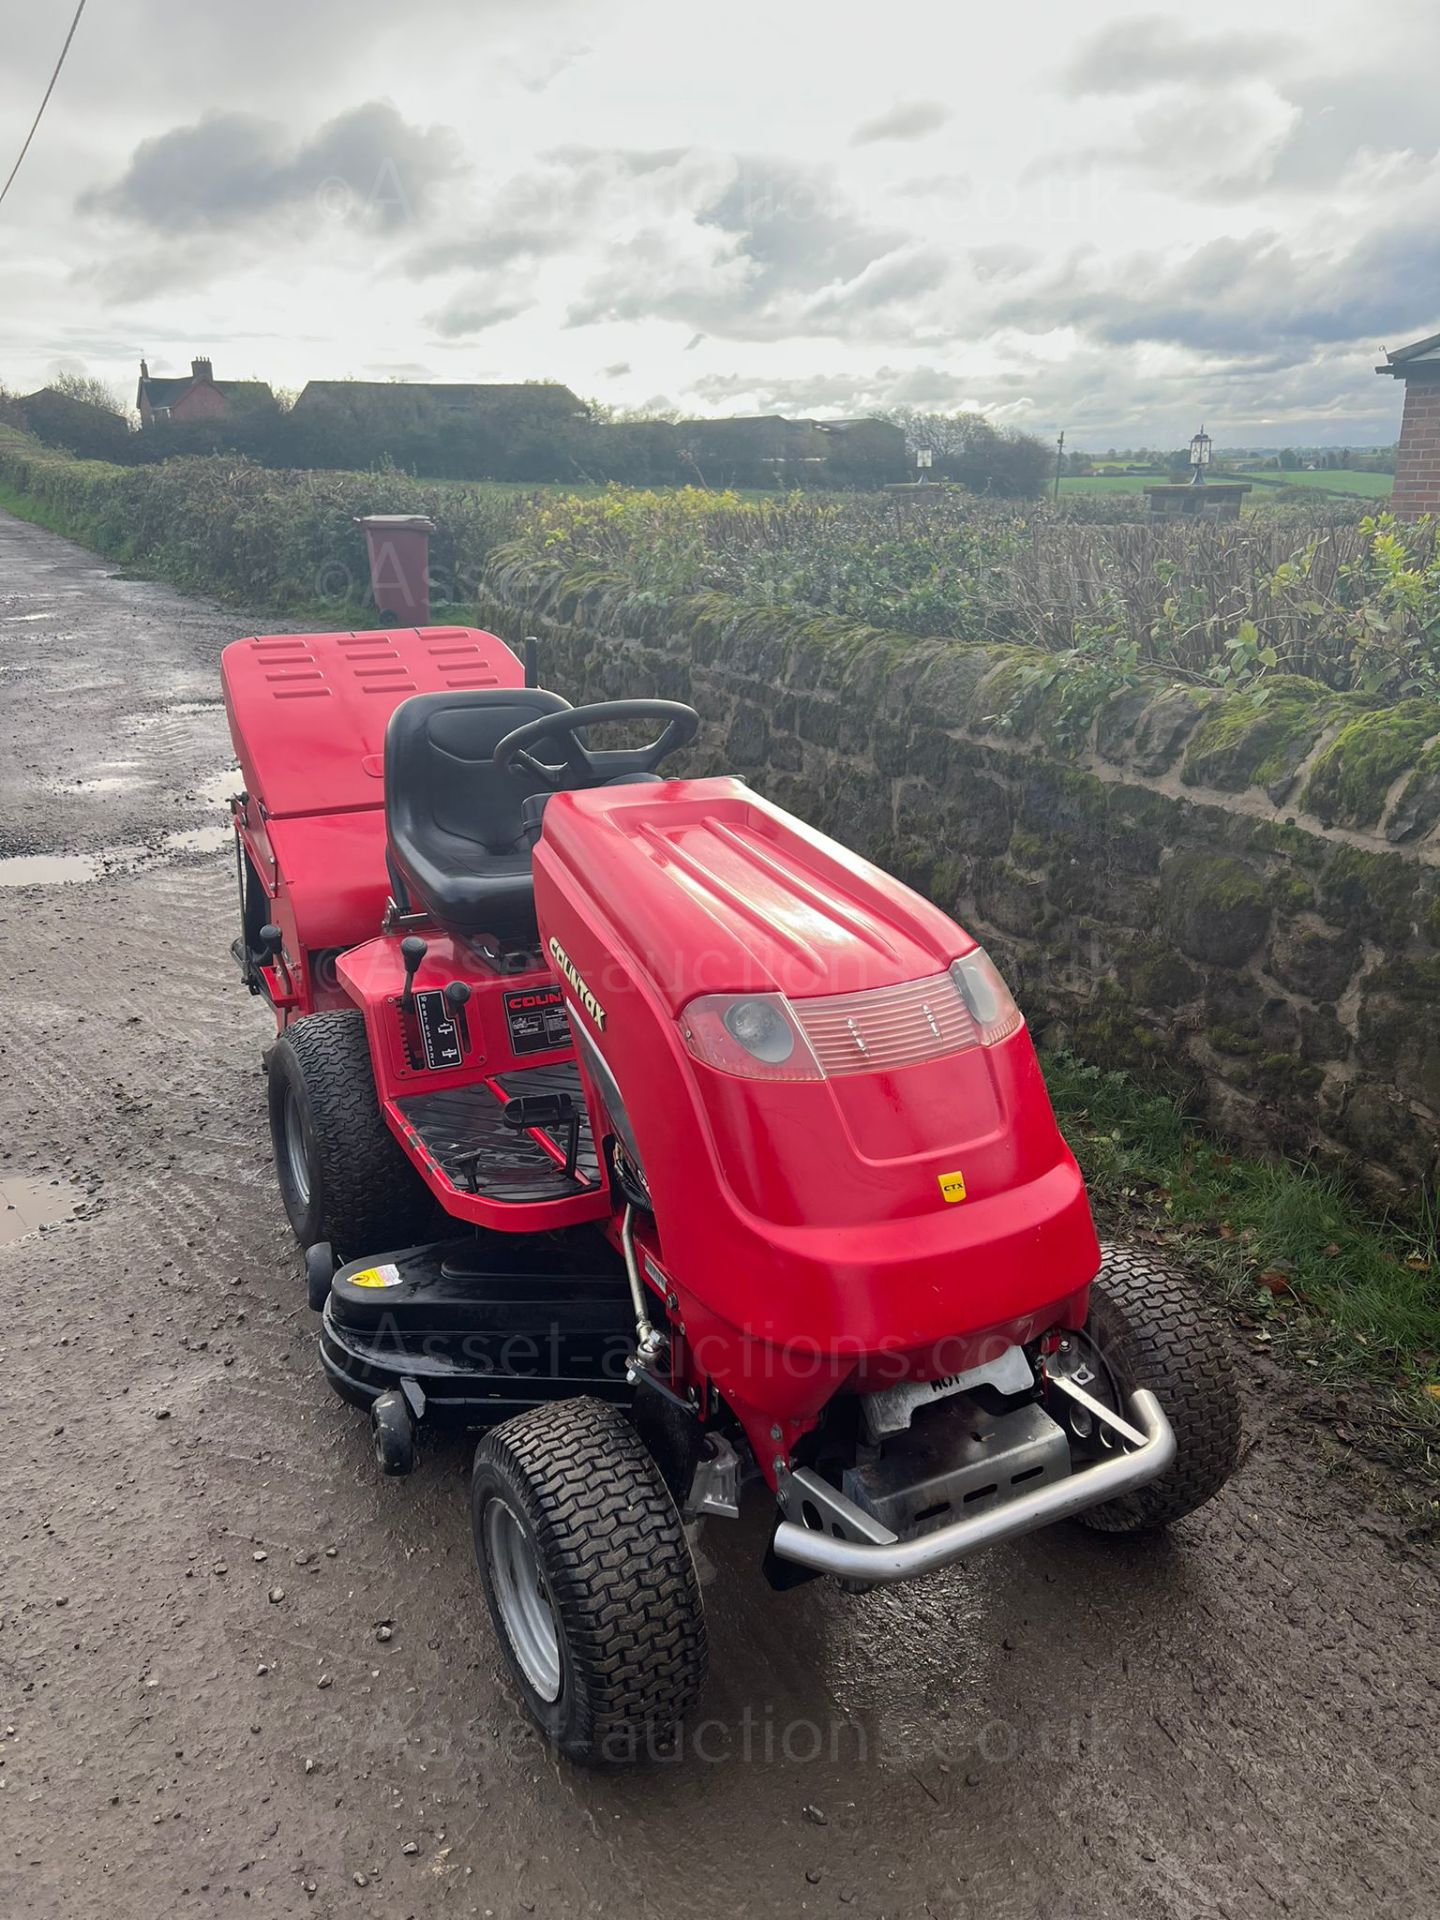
{"x": 1363, "y": 486}
{"x": 1109, "y": 482}
{"x": 1340, "y": 482}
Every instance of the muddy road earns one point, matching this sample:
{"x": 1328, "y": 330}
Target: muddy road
{"x": 241, "y": 1673}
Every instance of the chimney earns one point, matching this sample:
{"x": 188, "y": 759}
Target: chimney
{"x": 144, "y": 371}
{"x": 201, "y": 370}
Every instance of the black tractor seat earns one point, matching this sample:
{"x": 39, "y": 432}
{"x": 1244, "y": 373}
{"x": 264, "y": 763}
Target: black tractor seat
{"x": 458, "y": 848}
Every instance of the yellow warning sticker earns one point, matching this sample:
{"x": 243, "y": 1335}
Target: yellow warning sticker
{"x": 386, "y": 1276}
{"x": 952, "y": 1185}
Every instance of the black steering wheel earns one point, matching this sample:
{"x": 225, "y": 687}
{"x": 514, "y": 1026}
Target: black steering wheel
{"x": 579, "y": 765}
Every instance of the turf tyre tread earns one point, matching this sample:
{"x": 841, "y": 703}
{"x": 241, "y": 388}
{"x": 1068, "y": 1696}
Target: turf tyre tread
{"x": 366, "y": 1197}
{"x": 1155, "y": 1332}
{"x": 621, "y": 1579}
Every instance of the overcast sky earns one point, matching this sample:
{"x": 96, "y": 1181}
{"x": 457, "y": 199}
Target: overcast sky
{"x": 1079, "y": 214}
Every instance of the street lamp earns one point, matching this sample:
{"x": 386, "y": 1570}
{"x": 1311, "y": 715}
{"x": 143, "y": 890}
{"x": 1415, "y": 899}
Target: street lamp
{"x": 1199, "y": 457}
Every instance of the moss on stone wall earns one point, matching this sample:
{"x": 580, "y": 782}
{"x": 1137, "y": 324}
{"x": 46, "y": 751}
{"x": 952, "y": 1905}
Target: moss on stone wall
{"x": 1352, "y": 778}
{"x": 1215, "y": 907}
{"x": 1371, "y": 892}
{"x": 1259, "y": 739}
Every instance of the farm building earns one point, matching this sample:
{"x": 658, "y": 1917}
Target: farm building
{"x": 79, "y": 426}
{"x": 765, "y": 450}
{"x": 522, "y": 431}
{"x": 198, "y": 396}
{"x": 405, "y": 404}
{"x": 1417, "y": 463}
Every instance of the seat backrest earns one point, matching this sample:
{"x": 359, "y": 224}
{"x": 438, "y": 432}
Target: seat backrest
{"x": 441, "y": 781}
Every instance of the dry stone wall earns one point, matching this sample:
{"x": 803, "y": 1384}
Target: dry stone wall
{"x": 1237, "y": 898}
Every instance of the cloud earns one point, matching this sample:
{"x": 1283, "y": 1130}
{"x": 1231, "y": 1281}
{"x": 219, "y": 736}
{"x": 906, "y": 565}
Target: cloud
{"x": 836, "y": 393}
{"x": 796, "y": 227}
{"x": 944, "y": 186}
{"x": 1003, "y": 261}
{"x": 472, "y": 311}
{"x": 909, "y": 120}
{"x": 558, "y": 205}
{"x": 1242, "y": 131}
{"x": 1133, "y": 55}
{"x": 141, "y": 272}
{"x": 482, "y": 250}
{"x": 893, "y": 280}
{"x": 535, "y": 68}
{"x": 368, "y": 166}
{"x": 1266, "y": 294}
{"x": 1242, "y": 113}
{"x": 1339, "y": 117}
{"x": 736, "y": 246}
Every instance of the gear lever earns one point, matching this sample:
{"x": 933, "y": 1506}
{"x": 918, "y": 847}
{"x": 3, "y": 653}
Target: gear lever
{"x": 412, "y": 951}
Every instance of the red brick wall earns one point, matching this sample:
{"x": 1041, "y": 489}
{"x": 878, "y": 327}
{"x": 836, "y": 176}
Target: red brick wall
{"x": 1417, "y": 465}
{"x": 203, "y": 402}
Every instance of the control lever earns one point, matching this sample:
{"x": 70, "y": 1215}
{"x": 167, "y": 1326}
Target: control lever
{"x": 412, "y": 951}
{"x": 457, "y": 998}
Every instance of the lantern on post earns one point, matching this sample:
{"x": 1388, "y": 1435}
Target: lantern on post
{"x": 1199, "y": 458}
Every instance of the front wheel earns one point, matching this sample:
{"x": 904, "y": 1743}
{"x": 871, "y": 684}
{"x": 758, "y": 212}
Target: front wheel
{"x": 589, "y": 1580}
{"x": 1146, "y": 1328}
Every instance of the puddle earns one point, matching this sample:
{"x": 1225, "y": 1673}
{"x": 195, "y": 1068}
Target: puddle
{"x": 27, "y": 1205}
{"x": 216, "y": 792}
{"x": 217, "y": 835}
{"x": 104, "y": 783}
{"x": 69, "y": 869}
{"x": 199, "y": 839}
{"x": 48, "y": 869}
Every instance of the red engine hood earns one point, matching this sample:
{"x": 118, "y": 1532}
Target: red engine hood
{"x": 725, "y": 893}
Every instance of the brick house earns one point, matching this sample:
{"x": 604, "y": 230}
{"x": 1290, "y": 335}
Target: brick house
{"x": 200, "y": 396}
{"x": 1417, "y": 463}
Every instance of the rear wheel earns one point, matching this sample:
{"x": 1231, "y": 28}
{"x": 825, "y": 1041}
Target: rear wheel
{"x": 342, "y": 1175}
{"x": 1147, "y": 1328}
{"x": 589, "y": 1580}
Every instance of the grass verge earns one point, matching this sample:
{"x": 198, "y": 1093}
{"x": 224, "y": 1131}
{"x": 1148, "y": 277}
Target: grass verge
{"x": 1349, "y": 1298}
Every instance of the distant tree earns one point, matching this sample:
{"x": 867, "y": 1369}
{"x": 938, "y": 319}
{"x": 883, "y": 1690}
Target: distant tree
{"x": 604, "y": 414}
{"x": 1288, "y": 460}
{"x": 90, "y": 391}
{"x": 966, "y": 448}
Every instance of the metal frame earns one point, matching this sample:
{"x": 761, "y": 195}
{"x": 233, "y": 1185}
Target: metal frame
{"x": 881, "y": 1563}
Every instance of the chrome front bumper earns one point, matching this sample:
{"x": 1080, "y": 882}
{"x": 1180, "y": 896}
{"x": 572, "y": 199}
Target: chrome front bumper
{"x": 878, "y": 1561}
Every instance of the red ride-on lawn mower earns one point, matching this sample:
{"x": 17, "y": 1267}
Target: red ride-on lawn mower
{"x": 637, "y": 1122}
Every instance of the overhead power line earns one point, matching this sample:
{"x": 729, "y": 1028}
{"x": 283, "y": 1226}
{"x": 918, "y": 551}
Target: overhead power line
{"x": 44, "y": 103}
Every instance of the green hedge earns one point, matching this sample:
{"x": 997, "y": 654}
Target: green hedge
{"x": 281, "y": 539}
